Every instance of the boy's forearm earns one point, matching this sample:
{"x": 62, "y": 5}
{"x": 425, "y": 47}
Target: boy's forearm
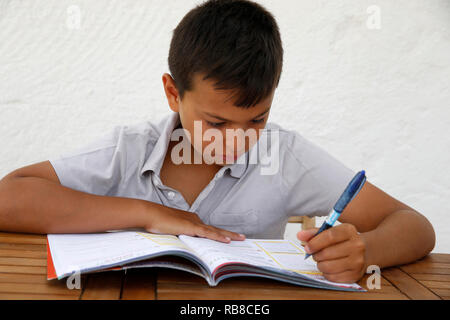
{"x": 35, "y": 205}
{"x": 404, "y": 236}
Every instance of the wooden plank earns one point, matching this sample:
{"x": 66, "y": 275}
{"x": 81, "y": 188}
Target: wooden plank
{"x": 32, "y": 278}
{"x": 408, "y": 285}
{"x": 23, "y": 269}
{"x": 420, "y": 268}
{"x": 295, "y": 219}
{"x": 442, "y": 292}
{"x": 20, "y": 235}
{"x": 29, "y": 296}
{"x": 436, "y": 284}
{"x": 429, "y": 264}
{"x": 23, "y": 238}
{"x": 307, "y": 222}
{"x": 139, "y": 284}
{"x": 23, "y": 254}
{"x": 438, "y": 257}
{"x": 431, "y": 277}
{"x": 103, "y": 286}
{"x": 181, "y": 292}
{"x": 432, "y": 264}
{"x": 22, "y": 278}
{"x": 51, "y": 287}
{"x": 440, "y": 288}
{"x": 22, "y": 246}
{"x": 173, "y": 284}
{"x": 23, "y": 262}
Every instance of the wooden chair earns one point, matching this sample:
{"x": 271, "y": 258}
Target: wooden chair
{"x": 307, "y": 222}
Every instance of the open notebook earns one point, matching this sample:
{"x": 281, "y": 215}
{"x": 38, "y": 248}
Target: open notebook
{"x": 281, "y": 260}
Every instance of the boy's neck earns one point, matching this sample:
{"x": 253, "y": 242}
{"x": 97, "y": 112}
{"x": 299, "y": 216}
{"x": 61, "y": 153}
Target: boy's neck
{"x": 208, "y": 167}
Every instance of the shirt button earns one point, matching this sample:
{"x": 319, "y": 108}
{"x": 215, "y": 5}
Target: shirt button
{"x": 171, "y": 194}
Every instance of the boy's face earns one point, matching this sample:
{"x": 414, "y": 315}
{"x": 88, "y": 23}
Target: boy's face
{"x": 208, "y": 108}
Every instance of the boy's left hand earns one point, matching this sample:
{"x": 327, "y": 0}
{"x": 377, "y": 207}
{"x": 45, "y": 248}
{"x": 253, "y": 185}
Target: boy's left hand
{"x": 340, "y": 252}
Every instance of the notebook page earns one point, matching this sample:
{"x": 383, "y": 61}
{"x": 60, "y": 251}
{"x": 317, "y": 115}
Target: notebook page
{"x": 288, "y": 256}
{"x": 83, "y": 252}
{"x": 280, "y": 254}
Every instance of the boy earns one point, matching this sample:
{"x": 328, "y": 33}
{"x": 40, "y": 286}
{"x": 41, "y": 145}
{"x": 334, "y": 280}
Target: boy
{"x": 225, "y": 60}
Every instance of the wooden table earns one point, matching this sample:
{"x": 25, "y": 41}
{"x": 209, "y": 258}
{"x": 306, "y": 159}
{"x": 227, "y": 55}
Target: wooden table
{"x": 23, "y": 267}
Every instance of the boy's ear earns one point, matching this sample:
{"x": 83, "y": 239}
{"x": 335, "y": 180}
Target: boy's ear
{"x": 171, "y": 91}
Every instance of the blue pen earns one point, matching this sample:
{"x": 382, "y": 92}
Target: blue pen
{"x": 349, "y": 193}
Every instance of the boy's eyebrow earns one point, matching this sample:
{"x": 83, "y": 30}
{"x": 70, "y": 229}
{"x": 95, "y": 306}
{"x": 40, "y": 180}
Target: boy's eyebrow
{"x": 223, "y": 119}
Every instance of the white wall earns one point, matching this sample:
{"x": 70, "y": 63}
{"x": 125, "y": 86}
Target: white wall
{"x": 377, "y": 99}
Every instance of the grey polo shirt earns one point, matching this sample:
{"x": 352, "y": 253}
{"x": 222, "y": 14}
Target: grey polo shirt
{"x": 127, "y": 161}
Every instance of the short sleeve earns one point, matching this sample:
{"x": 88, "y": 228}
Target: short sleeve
{"x": 314, "y": 179}
{"x": 97, "y": 168}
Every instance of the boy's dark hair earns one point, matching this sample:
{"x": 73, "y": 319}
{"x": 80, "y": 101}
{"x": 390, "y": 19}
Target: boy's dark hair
{"x": 236, "y": 43}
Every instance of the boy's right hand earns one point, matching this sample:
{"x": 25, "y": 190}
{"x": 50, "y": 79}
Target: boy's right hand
{"x": 166, "y": 220}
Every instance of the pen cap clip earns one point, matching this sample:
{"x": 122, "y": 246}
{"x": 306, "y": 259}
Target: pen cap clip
{"x": 359, "y": 189}
{"x": 351, "y": 191}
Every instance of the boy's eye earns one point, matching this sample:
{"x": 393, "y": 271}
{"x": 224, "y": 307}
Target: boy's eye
{"x": 213, "y": 124}
{"x": 259, "y": 121}
{"x": 219, "y": 124}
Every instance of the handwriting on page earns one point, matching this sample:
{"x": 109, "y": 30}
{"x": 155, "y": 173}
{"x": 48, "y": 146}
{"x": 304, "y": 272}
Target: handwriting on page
{"x": 164, "y": 240}
{"x": 288, "y": 256}
{"x": 216, "y": 253}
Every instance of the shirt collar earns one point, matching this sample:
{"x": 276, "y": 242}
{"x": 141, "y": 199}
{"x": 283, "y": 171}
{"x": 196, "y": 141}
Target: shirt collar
{"x": 156, "y": 158}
